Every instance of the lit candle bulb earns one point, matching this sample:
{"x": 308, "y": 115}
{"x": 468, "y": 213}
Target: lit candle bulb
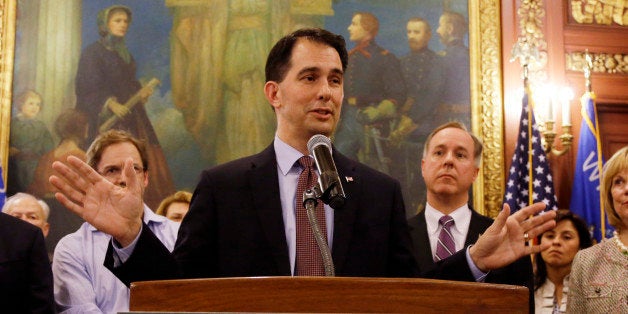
{"x": 566, "y": 112}
{"x": 566, "y": 96}
{"x": 550, "y": 110}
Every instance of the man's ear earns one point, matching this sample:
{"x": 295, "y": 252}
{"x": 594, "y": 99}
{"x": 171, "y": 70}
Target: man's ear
{"x": 271, "y": 91}
{"x": 145, "y": 180}
{"x": 475, "y": 173}
{"x": 450, "y": 29}
{"x": 45, "y": 229}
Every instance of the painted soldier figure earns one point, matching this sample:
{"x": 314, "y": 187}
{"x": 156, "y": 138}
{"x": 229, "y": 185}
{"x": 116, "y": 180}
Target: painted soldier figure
{"x": 373, "y": 90}
{"x": 424, "y": 77}
{"x": 456, "y": 98}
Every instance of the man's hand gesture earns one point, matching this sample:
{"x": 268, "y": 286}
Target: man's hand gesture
{"x": 505, "y": 240}
{"x": 115, "y": 210}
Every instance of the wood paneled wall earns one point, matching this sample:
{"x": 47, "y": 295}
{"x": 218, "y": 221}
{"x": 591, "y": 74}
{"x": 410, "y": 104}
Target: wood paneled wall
{"x": 566, "y": 37}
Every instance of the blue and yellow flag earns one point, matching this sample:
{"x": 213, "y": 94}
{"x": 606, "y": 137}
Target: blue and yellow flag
{"x": 586, "y": 198}
{"x": 3, "y": 191}
{"x": 529, "y": 177}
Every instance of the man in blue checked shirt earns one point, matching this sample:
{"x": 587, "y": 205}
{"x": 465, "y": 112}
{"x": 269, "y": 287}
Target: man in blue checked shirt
{"x": 82, "y": 284}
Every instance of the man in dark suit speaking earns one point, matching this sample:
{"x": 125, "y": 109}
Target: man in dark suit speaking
{"x": 243, "y": 219}
{"x": 450, "y": 164}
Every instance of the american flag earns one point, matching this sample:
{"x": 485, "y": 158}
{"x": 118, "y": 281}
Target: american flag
{"x": 529, "y": 177}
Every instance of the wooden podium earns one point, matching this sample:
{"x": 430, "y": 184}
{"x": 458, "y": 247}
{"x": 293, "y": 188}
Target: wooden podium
{"x": 326, "y": 295}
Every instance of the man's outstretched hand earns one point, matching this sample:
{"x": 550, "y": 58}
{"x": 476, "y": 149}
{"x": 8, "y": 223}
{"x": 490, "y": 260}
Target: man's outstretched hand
{"x": 115, "y": 210}
{"x": 504, "y": 241}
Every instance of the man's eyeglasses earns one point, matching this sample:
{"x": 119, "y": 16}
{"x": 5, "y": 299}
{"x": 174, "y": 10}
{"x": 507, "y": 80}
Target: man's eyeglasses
{"x": 114, "y": 172}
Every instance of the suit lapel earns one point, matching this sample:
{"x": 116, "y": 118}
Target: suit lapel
{"x": 422, "y": 242}
{"x": 476, "y": 227}
{"x": 265, "y": 193}
{"x": 344, "y": 217}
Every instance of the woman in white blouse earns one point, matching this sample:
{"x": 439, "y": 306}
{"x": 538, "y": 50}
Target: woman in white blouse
{"x": 552, "y": 266}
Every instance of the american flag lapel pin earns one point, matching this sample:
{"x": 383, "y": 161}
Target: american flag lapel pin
{"x": 349, "y": 179}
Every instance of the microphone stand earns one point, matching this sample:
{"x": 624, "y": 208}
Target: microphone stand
{"x": 310, "y": 200}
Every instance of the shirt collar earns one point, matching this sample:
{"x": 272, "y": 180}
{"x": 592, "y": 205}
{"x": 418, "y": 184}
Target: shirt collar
{"x": 286, "y": 155}
{"x": 461, "y": 216}
{"x": 544, "y": 294}
{"x": 149, "y": 217}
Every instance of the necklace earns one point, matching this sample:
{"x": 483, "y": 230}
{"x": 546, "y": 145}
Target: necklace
{"x": 622, "y": 247}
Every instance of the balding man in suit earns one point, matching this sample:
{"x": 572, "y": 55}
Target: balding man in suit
{"x": 450, "y": 165}
{"x": 25, "y": 274}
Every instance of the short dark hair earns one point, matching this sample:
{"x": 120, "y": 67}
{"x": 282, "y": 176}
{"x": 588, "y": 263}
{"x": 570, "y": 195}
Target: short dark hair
{"x": 477, "y": 143}
{"x": 279, "y": 58}
{"x": 369, "y": 22}
{"x": 417, "y": 19}
{"x": 583, "y": 236}
{"x": 108, "y": 138}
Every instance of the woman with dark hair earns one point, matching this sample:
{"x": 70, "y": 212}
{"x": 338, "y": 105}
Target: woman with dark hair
{"x": 553, "y": 266}
{"x": 106, "y": 83}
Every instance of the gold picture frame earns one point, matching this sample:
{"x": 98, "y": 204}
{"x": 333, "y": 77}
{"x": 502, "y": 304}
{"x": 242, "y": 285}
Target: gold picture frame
{"x": 486, "y": 94}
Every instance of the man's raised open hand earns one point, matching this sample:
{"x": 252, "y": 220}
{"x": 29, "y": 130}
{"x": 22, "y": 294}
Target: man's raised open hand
{"x": 505, "y": 240}
{"x": 115, "y": 210}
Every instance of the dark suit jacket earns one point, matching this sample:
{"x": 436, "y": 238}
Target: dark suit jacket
{"x": 25, "y": 274}
{"x": 235, "y": 228}
{"x": 518, "y": 273}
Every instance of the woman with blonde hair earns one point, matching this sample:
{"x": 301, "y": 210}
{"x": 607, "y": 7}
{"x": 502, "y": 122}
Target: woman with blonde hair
{"x": 599, "y": 273}
{"x": 175, "y": 206}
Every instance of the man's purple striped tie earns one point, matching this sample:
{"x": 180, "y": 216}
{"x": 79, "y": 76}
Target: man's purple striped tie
{"x": 445, "y": 246}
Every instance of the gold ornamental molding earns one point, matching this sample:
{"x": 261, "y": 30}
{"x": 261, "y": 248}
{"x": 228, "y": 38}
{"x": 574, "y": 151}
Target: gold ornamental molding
{"x": 531, "y": 14}
{"x": 486, "y": 103}
{"x": 601, "y": 12}
{"x": 7, "y": 46}
{"x": 608, "y": 63}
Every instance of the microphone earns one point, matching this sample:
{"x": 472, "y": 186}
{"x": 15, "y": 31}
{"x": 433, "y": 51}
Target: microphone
{"x": 333, "y": 195}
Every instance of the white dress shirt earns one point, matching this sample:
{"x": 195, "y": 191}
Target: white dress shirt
{"x": 462, "y": 219}
{"x": 82, "y": 284}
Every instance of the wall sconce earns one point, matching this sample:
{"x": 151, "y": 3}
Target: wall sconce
{"x": 564, "y": 98}
{"x": 544, "y": 99}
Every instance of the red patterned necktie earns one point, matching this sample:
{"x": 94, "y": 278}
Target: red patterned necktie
{"x": 445, "y": 246}
{"x": 309, "y": 261}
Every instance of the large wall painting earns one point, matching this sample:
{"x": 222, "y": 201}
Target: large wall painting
{"x": 193, "y": 74}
